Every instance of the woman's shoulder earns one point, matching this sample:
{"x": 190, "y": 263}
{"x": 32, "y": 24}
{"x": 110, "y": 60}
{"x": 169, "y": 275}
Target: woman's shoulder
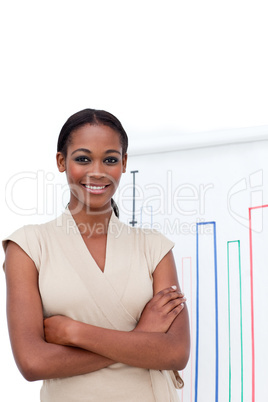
{"x": 32, "y": 239}
{"x": 149, "y": 242}
{"x": 143, "y": 234}
{"x": 29, "y": 233}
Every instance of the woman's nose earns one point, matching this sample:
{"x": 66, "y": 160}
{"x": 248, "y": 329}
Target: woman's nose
{"x": 96, "y": 175}
{"x": 96, "y": 170}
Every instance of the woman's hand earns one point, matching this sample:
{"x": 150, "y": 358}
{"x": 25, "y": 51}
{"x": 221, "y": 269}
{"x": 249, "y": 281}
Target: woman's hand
{"x": 160, "y": 312}
{"x": 57, "y": 329}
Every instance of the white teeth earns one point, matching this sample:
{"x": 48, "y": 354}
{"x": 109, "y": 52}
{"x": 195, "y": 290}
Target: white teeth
{"x": 94, "y": 187}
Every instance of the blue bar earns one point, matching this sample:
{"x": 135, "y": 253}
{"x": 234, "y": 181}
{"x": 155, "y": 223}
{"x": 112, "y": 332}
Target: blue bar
{"x": 216, "y": 311}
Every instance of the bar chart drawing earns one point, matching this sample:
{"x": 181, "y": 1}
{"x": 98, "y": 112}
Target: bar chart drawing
{"x": 199, "y": 310}
{"x": 253, "y": 275}
{"x": 234, "y": 300}
{"x": 185, "y": 195}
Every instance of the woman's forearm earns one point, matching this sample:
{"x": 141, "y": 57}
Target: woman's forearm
{"x": 140, "y": 349}
{"x": 56, "y": 361}
{"x": 159, "y": 351}
{"x": 161, "y": 343}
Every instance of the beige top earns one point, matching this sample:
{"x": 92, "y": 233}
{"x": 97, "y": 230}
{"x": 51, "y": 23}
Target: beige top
{"x": 72, "y": 284}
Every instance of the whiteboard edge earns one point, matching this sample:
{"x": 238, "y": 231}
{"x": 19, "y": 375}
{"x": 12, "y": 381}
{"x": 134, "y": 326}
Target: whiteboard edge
{"x": 178, "y": 141}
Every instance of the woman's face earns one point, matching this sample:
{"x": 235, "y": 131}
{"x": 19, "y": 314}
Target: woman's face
{"x": 93, "y": 166}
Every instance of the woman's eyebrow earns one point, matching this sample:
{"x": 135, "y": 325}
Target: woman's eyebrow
{"x": 82, "y": 150}
{"x": 109, "y": 151}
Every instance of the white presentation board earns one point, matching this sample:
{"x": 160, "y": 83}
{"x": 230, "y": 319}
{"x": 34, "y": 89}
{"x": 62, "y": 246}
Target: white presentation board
{"x": 213, "y": 203}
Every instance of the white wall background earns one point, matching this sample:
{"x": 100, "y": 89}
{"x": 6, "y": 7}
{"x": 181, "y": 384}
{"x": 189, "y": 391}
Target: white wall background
{"x": 173, "y": 68}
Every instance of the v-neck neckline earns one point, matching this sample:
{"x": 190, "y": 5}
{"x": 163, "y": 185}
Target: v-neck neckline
{"x": 84, "y": 247}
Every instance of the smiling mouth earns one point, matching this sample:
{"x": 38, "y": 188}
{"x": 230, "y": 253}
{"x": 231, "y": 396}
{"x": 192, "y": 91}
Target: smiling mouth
{"x": 94, "y": 187}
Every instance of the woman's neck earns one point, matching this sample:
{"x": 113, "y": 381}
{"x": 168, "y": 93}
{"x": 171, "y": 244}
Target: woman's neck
{"x": 91, "y": 222}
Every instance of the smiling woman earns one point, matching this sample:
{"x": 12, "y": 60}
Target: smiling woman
{"x": 93, "y": 164}
{"x": 94, "y": 307}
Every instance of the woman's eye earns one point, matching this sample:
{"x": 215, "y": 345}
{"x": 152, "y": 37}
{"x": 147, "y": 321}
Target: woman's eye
{"x": 82, "y": 159}
{"x": 111, "y": 160}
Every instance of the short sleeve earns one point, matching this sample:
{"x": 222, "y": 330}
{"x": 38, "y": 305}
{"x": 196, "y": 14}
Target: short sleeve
{"x": 156, "y": 247}
{"x": 27, "y": 238}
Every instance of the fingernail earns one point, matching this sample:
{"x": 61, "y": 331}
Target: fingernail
{"x": 174, "y": 287}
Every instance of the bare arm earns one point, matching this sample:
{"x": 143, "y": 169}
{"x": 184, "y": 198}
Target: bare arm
{"x": 141, "y": 347}
{"x": 36, "y": 358}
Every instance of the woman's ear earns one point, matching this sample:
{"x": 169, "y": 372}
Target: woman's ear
{"x": 124, "y": 162}
{"x": 60, "y": 162}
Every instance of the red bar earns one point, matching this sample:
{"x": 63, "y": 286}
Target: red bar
{"x": 252, "y": 299}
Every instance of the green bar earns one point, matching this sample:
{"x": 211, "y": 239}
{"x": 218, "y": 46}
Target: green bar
{"x": 229, "y": 319}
